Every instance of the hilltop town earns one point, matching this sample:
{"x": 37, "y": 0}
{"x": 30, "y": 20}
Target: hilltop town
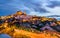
{"x": 21, "y": 22}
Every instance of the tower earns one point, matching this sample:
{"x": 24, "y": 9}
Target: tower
{"x": 19, "y": 13}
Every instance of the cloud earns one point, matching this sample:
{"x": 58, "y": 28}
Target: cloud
{"x": 32, "y": 7}
{"x": 54, "y": 11}
{"x": 22, "y": 5}
{"x": 53, "y": 4}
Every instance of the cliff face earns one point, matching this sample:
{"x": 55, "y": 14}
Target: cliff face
{"x": 22, "y": 21}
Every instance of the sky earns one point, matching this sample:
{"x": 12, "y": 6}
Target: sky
{"x": 31, "y": 7}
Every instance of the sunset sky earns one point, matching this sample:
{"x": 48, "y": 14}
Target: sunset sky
{"x": 31, "y": 7}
